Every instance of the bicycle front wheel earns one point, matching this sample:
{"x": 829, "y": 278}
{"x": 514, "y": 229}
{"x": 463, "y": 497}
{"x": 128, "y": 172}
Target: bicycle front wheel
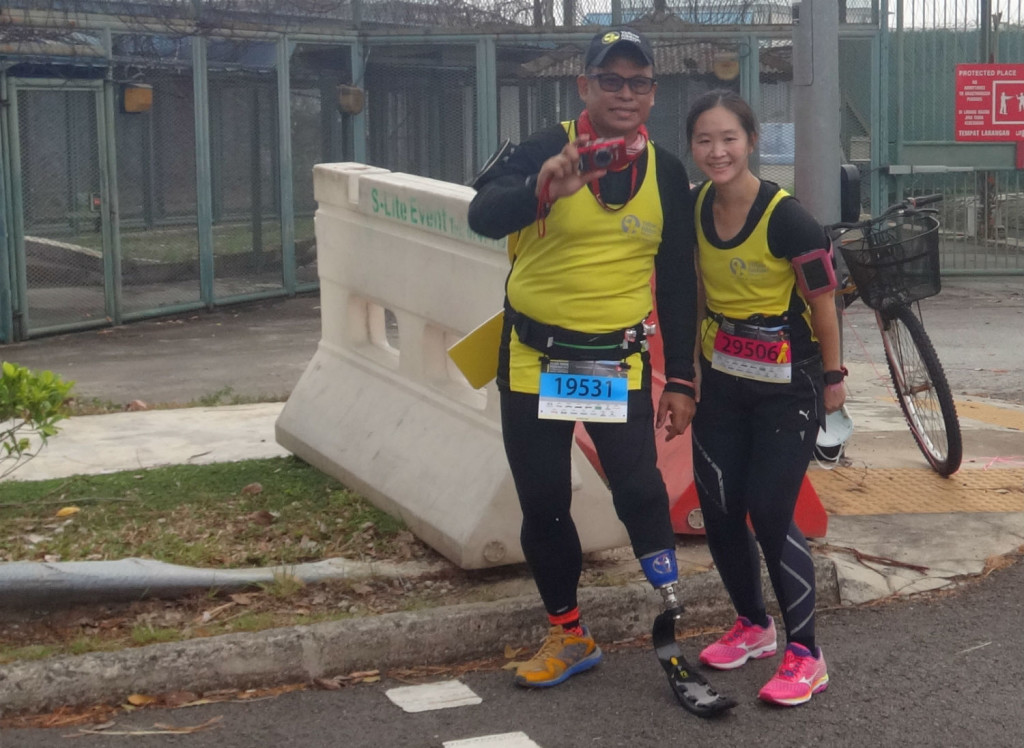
{"x": 922, "y": 389}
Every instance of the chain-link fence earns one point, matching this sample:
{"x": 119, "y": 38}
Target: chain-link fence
{"x": 319, "y": 133}
{"x": 161, "y": 166}
{"x": 156, "y": 174}
{"x": 61, "y": 268}
{"x": 143, "y": 184}
{"x": 245, "y": 180}
{"x": 432, "y": 134}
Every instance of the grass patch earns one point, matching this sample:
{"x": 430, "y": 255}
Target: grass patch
{"x": 31, "y": 652}
{"x": 143, "y": 635}
{"x": 39, "y": 634}
{"x": 252, "y": 622}
{"x": 92, "y": 406}
{"x": 253, "y": 513}
{"x": 275, "y": 512}
{"x": 228, "y": 396}
{"x": 78, "y": 645}
{"x": 284, "y": 586}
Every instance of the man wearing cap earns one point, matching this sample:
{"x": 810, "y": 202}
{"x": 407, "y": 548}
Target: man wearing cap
{"x": 584, "y": 242}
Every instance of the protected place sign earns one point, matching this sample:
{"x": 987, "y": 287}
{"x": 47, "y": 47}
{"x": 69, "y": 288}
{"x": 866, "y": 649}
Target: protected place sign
{"x": 989, "y": 102}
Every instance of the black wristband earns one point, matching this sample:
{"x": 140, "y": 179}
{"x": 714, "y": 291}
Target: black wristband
{"x": 835, "y": 376}
{"x": 682, "y": 389}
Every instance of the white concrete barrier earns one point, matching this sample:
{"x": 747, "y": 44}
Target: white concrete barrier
{"x": 381, "y": 407}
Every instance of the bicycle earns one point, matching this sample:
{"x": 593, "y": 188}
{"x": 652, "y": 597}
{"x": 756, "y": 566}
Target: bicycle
{"x": 892, "y": 263}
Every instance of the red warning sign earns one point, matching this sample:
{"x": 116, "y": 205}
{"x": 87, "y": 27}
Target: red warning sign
{"x": 989, "y": 102}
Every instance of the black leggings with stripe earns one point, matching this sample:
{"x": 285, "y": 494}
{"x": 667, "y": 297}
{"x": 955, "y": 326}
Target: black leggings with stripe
{"x": 539, "y": 452}
{"x": 752, "y": 442}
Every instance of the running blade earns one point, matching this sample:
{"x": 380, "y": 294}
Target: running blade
{"x": 690, "y": 687}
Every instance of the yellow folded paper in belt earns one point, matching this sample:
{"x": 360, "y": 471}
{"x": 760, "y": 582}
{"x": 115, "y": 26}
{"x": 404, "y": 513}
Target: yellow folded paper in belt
{"x": 476, "y": 355}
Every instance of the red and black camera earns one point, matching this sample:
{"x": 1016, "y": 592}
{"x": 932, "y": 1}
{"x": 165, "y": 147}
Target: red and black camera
{"x": 604, "y": 153}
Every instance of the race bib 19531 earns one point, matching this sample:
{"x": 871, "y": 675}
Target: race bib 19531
{"x": 584, "y": 391}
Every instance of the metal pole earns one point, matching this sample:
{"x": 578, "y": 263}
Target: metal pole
{"x": 900, "y": 88}
{"x": 616, "y": 12}
{"x": 19, "y": 272}
{"x": 486, "y": 100}
{"x": 358, "y": 121}
{"x": 750, "y": 85}
{"x": 286, "y": 169}
{"x": 816, "y": 107}
{"x": 204, "y": 191}
{"x": 985, "y": 28}
{"x": 818, "y": 151}
{"x": 879, "y": 109}
{"x": 6, "y": 246}
{"x": 113, "y": 267}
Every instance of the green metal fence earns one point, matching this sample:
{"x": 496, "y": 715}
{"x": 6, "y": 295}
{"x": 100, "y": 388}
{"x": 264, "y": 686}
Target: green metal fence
{"x": 163, "y": 163}
{"x": 983, "y": 211}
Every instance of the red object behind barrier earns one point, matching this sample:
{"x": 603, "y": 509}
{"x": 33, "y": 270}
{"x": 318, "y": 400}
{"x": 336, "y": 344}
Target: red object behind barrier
{"x": 675, "y": 460}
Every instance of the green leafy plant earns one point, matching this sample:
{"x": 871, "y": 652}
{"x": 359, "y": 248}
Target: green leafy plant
{"x": 31, "y": 405}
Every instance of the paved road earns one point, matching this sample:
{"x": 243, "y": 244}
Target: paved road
{"x": 944, "y": 671}
{"x": 255, "y": 350}
{"x": 261, "y": 349}
{"x": 975, "y": 325}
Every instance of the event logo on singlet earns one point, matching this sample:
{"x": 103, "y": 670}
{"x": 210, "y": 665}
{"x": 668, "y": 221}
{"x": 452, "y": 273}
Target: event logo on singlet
{"x": 754, "y": 270}
{"x": 633, "y": 226}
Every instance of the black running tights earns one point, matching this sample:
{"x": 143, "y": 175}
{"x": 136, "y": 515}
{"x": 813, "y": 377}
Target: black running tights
{"x": 539, "y": 453}
{"x": 752, "y": 442}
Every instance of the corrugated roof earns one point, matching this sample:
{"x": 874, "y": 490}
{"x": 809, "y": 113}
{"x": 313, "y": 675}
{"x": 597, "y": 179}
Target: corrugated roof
{"x": 682, "y": 58}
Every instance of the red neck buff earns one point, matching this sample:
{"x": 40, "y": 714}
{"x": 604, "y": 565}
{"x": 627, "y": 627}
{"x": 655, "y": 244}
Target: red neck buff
{"x": 633, "y": 150}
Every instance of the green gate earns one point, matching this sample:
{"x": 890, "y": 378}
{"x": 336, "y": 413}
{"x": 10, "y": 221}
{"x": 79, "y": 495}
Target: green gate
{"x": 60, "y": 263}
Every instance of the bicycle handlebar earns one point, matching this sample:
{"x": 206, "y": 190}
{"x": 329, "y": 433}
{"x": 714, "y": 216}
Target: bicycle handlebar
{"x": 920, "y": 202}
{"x": 910, "y": 204}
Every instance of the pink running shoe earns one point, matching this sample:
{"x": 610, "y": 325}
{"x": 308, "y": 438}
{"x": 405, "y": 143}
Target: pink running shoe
{"x": 800, "y": 676}
{"x": 743, "y": 642}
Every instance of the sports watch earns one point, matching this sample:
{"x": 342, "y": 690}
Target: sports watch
{"x": 835, "y": 376}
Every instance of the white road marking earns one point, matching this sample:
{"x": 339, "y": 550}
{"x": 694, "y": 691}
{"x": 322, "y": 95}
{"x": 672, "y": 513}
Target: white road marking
{"x": 504, "y": 740}
{"x": 430, "y": 696}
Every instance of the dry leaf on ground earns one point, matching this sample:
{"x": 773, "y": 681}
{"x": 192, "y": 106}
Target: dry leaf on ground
{"x": 158, "y": 729}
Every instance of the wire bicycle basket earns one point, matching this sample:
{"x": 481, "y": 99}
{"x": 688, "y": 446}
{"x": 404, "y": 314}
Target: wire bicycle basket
{"x": 895, "y": 261}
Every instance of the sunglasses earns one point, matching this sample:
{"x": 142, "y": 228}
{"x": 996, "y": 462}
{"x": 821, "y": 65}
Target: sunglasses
{"x": 611, "y": 82}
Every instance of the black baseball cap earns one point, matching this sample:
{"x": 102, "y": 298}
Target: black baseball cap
{"x": 606, "y": 41}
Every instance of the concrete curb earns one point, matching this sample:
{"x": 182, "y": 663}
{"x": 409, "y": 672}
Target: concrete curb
{"x": 298, "y": 654}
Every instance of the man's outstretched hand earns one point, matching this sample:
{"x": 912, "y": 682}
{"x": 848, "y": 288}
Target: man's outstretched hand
{"x": 561, "y": 174}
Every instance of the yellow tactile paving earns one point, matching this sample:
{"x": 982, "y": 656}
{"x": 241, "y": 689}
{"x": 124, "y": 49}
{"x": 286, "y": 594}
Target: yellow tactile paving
{"x": 858, "y": 491}
{"x": 1006, "y": 417}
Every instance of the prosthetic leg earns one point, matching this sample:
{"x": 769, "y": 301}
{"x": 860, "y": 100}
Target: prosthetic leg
{"x": 690, "y": 687}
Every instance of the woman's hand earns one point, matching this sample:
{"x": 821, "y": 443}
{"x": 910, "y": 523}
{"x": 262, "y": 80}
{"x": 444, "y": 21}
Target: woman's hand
{"x": 835, "y": 396}
{"x": 825, "y": 323}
